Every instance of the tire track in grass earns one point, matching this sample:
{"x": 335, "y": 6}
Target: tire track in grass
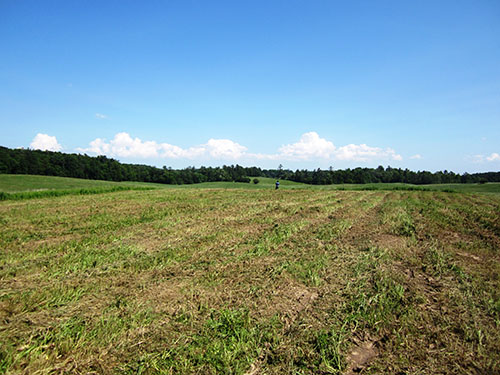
{"x": 322, "y": 346}
{"x": 229, "y": 293}
{"x": 304, "y": 308}
{"x": 456, "y": 333}
{"x": 438, "y": 316}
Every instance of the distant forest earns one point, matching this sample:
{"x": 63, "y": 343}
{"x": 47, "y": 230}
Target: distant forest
{"x": 25, "y": 161}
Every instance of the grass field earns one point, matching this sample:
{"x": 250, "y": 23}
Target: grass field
{"x": 19, "y": 187}
{"x": 29, "y": 186}
{"x": 15, "y": 183}
{"x": 492, "y": 187}
{"x": 250, "y": 281}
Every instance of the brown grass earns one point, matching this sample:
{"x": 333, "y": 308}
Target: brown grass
{"x": 336, "y": 281}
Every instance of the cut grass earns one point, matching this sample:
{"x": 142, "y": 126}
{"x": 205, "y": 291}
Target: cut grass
{"x": 10, "y": 183}
{"x": 29, "y": 183}
{"x": 239, "y": 281}
{"x": 492, "y": 187}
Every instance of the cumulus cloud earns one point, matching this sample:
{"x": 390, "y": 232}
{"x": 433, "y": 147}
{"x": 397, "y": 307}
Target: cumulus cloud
{"x": 100, "y": 116}
{"x": 310, "y": 147}
{"x": 123, "y": 145}
{"x": 175, "y": 152}
{"x": 45, "y": 142}
{"x": 493, "y": 157}
{"x": 214, "y": 148}
{"x": 416, "y": 156}
{"x": 224, "y": 149}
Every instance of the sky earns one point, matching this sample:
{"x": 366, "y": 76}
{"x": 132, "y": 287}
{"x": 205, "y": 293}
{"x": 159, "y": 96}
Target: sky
{"x": 305, "y": 84}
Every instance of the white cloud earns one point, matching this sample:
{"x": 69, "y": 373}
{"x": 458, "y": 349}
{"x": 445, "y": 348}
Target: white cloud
{"x": 123, "y": 145}
{"x": 45, "y": 142}
{"x": 416, "y": 156}
{"x": 364, "y": 153}
{"x": 174, "y": 152}
{"x": 478, "y": 158}
{"x": 264, "y": 156}
{"x": 214, "y": 148}
{"x": 97, "y": 146}
{"x": 493, "y": 157}
{"x": 224, "y": 149}
{"x": 309, "y": 146}
{"x": 101, "y": 116}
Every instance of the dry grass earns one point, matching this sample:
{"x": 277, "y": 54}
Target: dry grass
{"x": 250, "y": 281}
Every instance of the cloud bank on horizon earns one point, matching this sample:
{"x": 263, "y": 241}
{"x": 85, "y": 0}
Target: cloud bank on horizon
{"x": 310, "y": 147}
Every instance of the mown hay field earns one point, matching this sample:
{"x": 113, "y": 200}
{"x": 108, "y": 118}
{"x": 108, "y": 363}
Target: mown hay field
{"x": 250, "y": 281}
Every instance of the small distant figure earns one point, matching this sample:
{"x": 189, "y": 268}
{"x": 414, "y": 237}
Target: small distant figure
{"x": 277, "y": 185}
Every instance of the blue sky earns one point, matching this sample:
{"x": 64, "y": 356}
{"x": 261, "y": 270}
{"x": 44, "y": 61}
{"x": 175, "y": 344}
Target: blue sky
{"x": 306, "y": 84}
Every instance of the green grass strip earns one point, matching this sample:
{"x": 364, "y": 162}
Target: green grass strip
{"x": 58, "y": 193}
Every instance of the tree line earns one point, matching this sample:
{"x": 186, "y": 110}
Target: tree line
{"x": 375, "y": 175}
{"x": 26, "y": 161}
